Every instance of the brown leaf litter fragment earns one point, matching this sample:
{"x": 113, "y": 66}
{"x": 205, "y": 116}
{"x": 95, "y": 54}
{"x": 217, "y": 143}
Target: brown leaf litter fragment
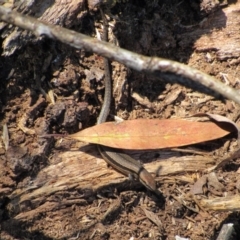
{"x": 142, "y": 100}
{"x": 186, "y": 201}
{"x": 22, "y": 125}
{"x": 197, "y": 188}
{"x": 225, "y": 160}
{"x": 114, "y": 207}
{"x": 94, "y": 73}
{"x": 210, "y": 180}
{"x": 214, "y": 182}
{"x": 30, "y": 115}
{"x": 172, "y": 96}
{"x": 152, "y": 217}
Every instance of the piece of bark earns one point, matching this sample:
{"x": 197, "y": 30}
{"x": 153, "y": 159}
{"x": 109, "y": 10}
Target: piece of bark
{"x": 219, "y": 33}
{"x": 85, "y": 171}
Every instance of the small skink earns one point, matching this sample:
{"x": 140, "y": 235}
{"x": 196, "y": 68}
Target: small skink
{"x": 128, "y": 166}
{"x": 120, "y": 161}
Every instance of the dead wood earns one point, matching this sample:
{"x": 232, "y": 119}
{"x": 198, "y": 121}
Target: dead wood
{"x": 85, "y": 171}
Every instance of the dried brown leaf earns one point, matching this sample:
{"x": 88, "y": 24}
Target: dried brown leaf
{"x": 151, "y": 133}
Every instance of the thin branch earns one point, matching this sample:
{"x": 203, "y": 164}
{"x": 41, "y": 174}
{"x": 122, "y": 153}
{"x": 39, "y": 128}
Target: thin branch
{"x": 169, "y": 70}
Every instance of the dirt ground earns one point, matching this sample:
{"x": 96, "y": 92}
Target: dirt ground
{"x": 62, "y": 189}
